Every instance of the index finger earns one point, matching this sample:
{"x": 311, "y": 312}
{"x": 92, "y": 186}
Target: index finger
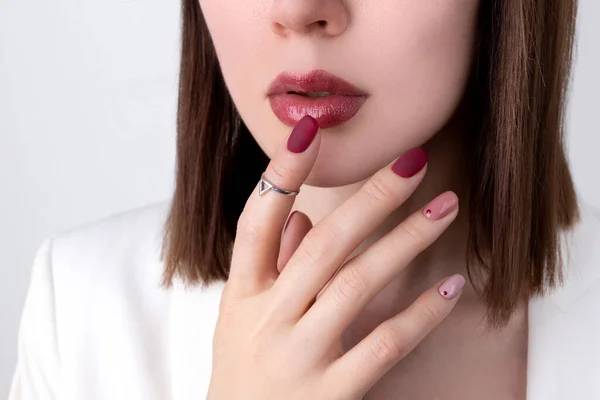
{"x": 257, "y": 242}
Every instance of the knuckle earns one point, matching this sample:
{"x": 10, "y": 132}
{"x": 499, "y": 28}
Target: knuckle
{"x": 350, "y": 284}
{"x": 322, "y": 240}
{"x": 311, "y": 250}
{"x": 414, "y": 232}
{"x": 430, "y": 314}
{"x": 328, "y": 233}
{"x": 387, "y": 345}
{"x": 248, "y": 229}
{"x": 378, "y": 189}
{"x": 280, "y": 173}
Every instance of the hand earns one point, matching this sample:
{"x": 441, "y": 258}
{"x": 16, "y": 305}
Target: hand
{"x": 278, "y": 333}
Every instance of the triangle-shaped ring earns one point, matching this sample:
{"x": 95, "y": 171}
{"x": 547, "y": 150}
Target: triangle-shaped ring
{"x": 264, "y": 186}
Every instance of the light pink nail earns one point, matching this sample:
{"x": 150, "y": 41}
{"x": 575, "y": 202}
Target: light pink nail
{"x": 452, "y": 286}
{"x": 441, "y": 205}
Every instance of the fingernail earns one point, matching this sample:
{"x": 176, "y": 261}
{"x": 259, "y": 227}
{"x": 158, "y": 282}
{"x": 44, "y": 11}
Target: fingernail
{"x": 303, "y": 134}
{"x": 452, "y": 286}
{"x": 288, "y": 220}
{"x": 410, "y": 162}
{"x": 441, "y": 205}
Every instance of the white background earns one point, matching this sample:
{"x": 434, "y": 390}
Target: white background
{"x": 87, "y": 123}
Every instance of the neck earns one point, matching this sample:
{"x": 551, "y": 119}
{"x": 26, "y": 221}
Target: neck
{"x": 446, "y": 170}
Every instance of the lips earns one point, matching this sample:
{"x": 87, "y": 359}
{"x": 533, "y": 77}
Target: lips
{"x": 334, "y": 109}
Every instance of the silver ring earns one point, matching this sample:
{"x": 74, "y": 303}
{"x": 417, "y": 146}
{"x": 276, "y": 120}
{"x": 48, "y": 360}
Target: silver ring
{"x": 264, "y": 186}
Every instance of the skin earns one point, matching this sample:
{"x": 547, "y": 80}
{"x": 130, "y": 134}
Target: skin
{"x": 414, "y": 59}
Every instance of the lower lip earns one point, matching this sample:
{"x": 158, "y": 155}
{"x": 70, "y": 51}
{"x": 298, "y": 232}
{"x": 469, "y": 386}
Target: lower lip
{"x": 329, "y": 111}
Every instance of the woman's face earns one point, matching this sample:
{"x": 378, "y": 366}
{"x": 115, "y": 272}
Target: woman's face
{"x": 411, "y": 57}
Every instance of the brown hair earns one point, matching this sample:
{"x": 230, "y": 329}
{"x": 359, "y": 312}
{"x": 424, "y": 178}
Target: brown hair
{"x": 521, "y": 195}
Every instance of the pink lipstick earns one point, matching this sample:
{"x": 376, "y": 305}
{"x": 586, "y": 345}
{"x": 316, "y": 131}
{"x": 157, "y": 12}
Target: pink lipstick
{"x": 326, "y": 97}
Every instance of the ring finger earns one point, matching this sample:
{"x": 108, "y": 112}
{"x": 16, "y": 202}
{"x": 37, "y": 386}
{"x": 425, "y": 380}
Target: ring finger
{"x": 364, "y": 276}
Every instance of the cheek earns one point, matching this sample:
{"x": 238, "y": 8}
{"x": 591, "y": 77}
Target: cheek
{"x": 421, "y": 64}
{"x": 415, "y": 60}
{"x": 240, "y": 33}
{"x": 249, "y": 60}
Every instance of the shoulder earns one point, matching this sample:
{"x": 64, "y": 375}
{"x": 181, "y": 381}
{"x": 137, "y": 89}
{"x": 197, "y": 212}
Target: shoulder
{"x": 582, "y": 242}
{"x": 113, "y": 252}
{"x": 127, "y": 234}
{"x": 117, "y": 261}
{"x": 581, "y": 258}
{"x": 110, "y": 305}
{"x": 590, "y": 219}
{"x": 95, "y": 296}
{"x": 108, "y": 268}
{"x": 117, "y": 257}
{"x": 563, "y": 355}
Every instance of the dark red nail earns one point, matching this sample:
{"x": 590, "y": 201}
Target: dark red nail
{"x": 410, "y": 162}
{"x": 303, "y": 134}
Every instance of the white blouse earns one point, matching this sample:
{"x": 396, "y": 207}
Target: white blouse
{"x": 97, "y": 326}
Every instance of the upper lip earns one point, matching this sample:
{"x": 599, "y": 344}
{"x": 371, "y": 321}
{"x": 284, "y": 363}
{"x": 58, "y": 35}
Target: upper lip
{"x": 314, "y": 81}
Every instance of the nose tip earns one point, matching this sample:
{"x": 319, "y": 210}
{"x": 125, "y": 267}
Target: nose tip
{"x": 308, "y": 17}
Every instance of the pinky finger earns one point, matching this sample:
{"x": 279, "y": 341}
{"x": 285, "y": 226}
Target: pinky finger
{"x": 394, "y": 338}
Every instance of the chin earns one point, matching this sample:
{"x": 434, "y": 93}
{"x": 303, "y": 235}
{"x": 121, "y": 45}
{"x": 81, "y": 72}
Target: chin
{"x": 332, "y": 172}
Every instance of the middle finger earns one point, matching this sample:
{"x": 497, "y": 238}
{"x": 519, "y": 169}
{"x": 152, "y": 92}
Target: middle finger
{"x": 332, "y": 239}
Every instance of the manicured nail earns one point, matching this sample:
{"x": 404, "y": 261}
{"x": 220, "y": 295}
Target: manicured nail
{"x": 303, "y": 134}
{"x": 410, "y": 162}
{"x": 452, "y": 286}
{"x": 441, "y": 205}
{"x": 288, "y": 220}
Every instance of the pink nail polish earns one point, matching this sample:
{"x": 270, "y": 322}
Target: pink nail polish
{"x": 441, "y": 205}
{"x": 452, "y": 286}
